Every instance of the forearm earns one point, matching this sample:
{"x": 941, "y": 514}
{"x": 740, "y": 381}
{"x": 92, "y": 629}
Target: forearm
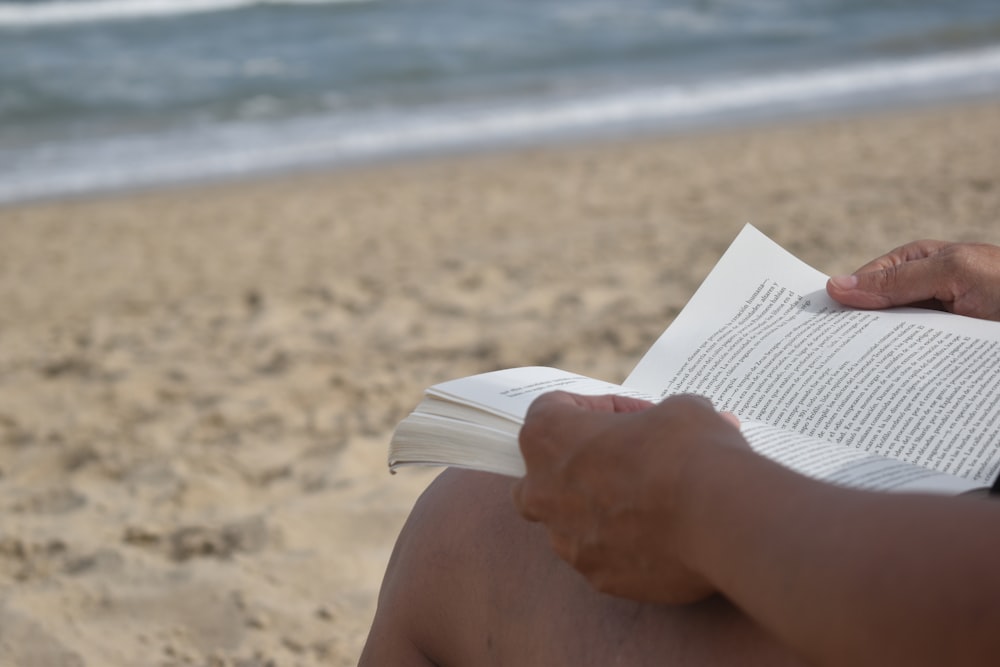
{"x": 847, "y": 577}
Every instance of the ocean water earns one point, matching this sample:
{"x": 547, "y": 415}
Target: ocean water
{"x": 107, "y": 94}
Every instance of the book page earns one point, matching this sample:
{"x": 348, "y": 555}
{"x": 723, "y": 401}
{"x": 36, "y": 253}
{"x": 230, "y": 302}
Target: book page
{"x": 509, "y": 392}
{"x": 762, "y": 339}
{"x": 443, "y": 407}
{"x": 429, "y": 439}
{"x": 847, "y": 466}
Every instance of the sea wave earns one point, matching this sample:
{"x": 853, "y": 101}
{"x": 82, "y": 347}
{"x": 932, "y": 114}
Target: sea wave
{"x": 966, "y": 73}
{"x": 237, "y": 149}
{"x": 58, "y": 13}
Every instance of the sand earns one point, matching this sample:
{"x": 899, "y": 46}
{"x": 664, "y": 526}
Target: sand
{"x": 197, "y": 384}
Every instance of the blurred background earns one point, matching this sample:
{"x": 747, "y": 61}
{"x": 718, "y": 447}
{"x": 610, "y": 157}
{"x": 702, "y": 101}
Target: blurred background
{"x": 110, "y": 94}
{"x": 197, "y": 383}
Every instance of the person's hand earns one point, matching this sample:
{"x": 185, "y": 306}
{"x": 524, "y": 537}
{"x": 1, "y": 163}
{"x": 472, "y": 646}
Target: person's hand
{"x": 606, "y": 477}
{"x": 962, "y": 278}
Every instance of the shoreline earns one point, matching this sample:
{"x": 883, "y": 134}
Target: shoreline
{"x": 964, "y": 77}
{"x": 608, "y": 137}
{"x": 197, "y": 383}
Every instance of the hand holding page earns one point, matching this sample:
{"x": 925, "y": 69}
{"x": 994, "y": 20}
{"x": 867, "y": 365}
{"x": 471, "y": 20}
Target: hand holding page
{"x": 892, "y": 400}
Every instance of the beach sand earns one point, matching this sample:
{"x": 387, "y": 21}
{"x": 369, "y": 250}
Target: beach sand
{"x": 197, "y": 384}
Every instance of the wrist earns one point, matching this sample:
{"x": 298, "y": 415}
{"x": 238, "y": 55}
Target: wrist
{"x": 727, "y": 498}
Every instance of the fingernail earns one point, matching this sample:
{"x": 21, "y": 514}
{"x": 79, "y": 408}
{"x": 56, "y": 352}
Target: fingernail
{"x": 844, "y": 282}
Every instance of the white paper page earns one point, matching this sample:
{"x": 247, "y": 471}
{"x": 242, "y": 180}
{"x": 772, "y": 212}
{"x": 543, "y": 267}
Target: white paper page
{"x": 847, "y": 466}
{"x": 437, "y": 407}
{"x": 426, "y": 439}
{"x": 762, "y": 339}
{"x": 509, "y": 392}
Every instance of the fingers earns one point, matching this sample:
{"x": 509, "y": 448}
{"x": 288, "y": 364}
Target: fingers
{"x": 905, "y": 253}
{"x": 731, "y": 418}
{"x": 910, "y": 274}
{"x": 562, "y": 403}
{"x": 568, "y": 441}
{"x": 520, "y": 503}
{"x": 555, "y": 425}
{"x": 555, "y": 418}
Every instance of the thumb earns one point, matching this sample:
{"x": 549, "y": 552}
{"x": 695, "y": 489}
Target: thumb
{"x": 895, "y": 285}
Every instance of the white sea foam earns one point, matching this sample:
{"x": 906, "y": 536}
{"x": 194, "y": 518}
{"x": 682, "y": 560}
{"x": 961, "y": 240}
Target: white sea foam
{"x": 237, "y": 149}
{"x": 55, "y": 13}
{"x": 342, "y": 139}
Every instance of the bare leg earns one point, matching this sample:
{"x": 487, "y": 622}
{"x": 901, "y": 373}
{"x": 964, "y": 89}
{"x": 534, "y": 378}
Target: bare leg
{"x": 471, "y": 583}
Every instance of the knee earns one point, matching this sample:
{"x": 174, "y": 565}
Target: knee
{"x": 461, "y": 522}
{"x": 442, "y": 562}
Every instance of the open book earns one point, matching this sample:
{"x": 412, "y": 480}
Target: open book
{"x": 901, "y": 400}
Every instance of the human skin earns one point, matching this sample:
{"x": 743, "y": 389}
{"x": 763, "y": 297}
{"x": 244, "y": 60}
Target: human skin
{"x": 682, "y": 509}
{"x": 666, "y": 504}
{"x": 962, "y": 278}
{"x": 470, "y": 582}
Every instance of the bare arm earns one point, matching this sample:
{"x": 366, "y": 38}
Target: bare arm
{"x": 847, "y": 577}
{"x": 668, "y": 504}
